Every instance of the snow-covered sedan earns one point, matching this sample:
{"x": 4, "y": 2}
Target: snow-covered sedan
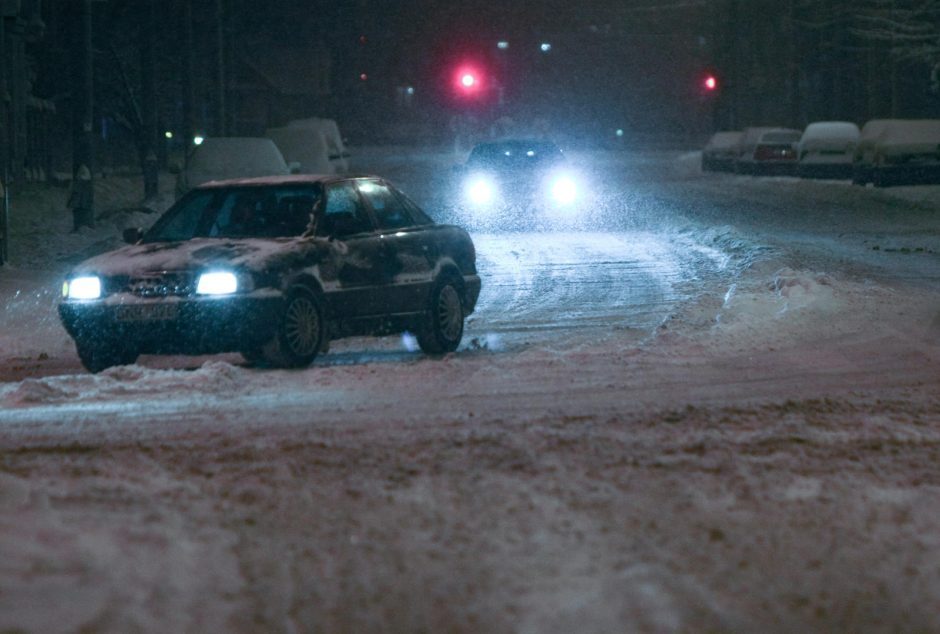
{"x": 514, "y": 181}
{"x": 274, "y": 268}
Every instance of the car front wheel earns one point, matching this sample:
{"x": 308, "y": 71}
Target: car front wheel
{"x": 100, "y": 355}
{"x": 300, "y": 333}
{"x": 443, "y": 327}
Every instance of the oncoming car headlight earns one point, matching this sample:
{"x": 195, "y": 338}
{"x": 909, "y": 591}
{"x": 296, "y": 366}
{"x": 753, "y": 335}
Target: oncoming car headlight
{"x": 480, "y": 190}
{"x": 85, "y": 287}
{"x": 217, "y": 283}
{"x": 564, "y": 190}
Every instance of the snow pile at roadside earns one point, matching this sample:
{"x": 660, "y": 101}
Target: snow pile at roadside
{"x": 214, "y": 377}
{"x": 41, "y": 234}
{"x": 786, "y": 292}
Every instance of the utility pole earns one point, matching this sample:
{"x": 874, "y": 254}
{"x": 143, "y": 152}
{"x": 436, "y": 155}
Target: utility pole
{"x": 189, "y": 95}
{"x": 4, "y": 101}
{"x": 148, "y": 99}
{"x": 83, "y": 116}
{"x": 220, "y": 114}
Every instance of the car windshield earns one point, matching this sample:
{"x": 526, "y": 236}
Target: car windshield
{"x": 515, "y": 154}
{"x": 238, "y": 212}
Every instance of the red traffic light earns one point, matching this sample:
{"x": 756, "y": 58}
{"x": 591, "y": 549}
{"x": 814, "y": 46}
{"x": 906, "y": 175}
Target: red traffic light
{"x": 710, "y": 83}
{"x": 468, "y": 81}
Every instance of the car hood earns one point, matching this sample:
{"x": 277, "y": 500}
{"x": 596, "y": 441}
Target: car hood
{"x": 254, "y": 255}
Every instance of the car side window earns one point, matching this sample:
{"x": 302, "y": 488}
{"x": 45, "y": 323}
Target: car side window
{"x": 389, "y": 209}
{"x": 420, "y": 218}
{"x": 344, "y": 214}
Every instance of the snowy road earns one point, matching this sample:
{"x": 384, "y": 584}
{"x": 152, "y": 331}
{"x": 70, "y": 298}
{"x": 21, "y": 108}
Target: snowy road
{"x": 716, "y": 410}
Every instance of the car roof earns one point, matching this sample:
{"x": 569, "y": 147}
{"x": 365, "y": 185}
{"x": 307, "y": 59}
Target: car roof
{"x": 290, "y": 179}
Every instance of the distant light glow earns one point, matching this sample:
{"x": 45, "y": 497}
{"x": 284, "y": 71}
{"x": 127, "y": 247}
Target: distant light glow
{"x": 564, "y": 190}
{"x": 545, "y": 47}
{"x": 217, "y": 283}
{"x": 711, "y": 83}
{"x": 619, "y": 131}
{"x": 363, "y": 77}
{"x": 198, "y": 140}
{"x": 410, "y": 90}
{"x": 468, "y": 80}
{"x": 502, "y": 45}
{"x": 530, "y": 153}
{"x": 481, "y": 190}
{"x": 86, "y": 287}
{"x": 168, "y": 134}
{"x": 367, "y": 187}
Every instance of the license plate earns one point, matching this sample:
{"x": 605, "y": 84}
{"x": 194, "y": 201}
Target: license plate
{"x": 147, "y": 312}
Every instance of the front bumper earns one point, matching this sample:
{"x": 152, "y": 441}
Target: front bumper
{"x": 202, "y": 325}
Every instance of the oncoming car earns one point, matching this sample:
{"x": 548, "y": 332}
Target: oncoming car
{"x": 274, "y": 268}
{"x": 518, "y": 179}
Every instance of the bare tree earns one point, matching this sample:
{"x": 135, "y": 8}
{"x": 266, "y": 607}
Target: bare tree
{"x": 909, "y": 29}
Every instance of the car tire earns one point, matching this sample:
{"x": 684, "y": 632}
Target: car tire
{"x": 443, "y": 326}
{"x": 300, "y": 332}
{"x": 101, "y": 355}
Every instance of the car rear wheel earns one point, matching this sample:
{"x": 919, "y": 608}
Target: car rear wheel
{"x": 443, "y": 327}
{"x": 100, "y": 355}
{"x": 300, "y": 333}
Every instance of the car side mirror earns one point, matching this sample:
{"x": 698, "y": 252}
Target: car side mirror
{"x": 294, "y": 167}
{"x": 133, "y": 235}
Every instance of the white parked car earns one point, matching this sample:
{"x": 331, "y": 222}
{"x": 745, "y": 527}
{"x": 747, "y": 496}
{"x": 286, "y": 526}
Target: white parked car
{"x": 907, "y": 152}
{"x": 720, "y": 152}
{"x": 225, "y": 158}
{"x": 827, "y": 149}
{"x": 304, "y": 146}
{"x": 865, "y": 150}
{"x": 336, "y": 148}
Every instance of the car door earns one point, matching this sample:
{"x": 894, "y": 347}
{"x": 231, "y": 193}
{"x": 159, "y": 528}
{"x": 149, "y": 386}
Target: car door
{"x": 353, "y": 275}
{"x": 406, "y": 252}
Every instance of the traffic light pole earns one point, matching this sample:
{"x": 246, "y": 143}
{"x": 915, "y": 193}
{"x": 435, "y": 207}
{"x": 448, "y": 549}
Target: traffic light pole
{"x": 5, "y": 221}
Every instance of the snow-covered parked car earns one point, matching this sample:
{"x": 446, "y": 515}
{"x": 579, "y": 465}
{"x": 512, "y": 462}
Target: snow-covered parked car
{"x": 274, "y": 268}
{"x": 720, "y": 151}
{"x": 827, "y": 149}
{"x": 222, "y": 158}
{"x": 314, "y": 145}
{"x": 864, "y": 158}
{"x": 768, "y": 151}
{"x": 337, "y": 154}
{"x": 907, "y": 153}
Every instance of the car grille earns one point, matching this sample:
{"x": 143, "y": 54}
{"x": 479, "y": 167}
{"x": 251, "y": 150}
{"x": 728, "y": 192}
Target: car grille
{"x": 160, "y": 284}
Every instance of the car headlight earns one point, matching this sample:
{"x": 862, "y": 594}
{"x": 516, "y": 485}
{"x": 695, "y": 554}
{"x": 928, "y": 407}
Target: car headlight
{"x": 85, "y": 287}
{"x": 217, "y": 283}
{"x": 480, "y": 190}
{"x": 564, "y": 190}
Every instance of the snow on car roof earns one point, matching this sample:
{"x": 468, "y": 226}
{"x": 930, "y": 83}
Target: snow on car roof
{"x": 726, "y": 139}
{"x": 289, "y": 179}
{"x": 831, "y": 130}
{"x": 780, "y": 135}
{"x": 237, "y": 156}
{"x": 874, "y": 127}
{"x": 917, "y": 131}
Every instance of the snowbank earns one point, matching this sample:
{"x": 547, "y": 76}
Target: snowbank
{"x": 121, "y": 382}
